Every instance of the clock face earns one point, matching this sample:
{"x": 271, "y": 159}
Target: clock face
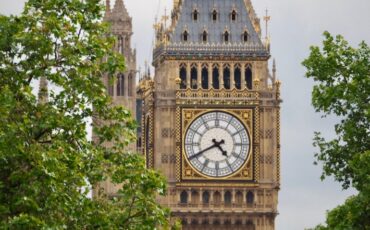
{"x": 217, "y": 144}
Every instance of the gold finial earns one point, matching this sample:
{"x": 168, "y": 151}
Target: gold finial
{"x": 178, "y": 81}
{"x": 267, "y": 18}
{"x": 256, "y": 83}
{"x": 165, "y": 17}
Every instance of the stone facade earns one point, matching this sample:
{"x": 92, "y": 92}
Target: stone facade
{"x": 211, "y": 58}
{"x": 123, "y": 91}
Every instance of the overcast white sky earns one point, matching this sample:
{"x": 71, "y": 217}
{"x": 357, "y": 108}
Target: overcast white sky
{"x": 295, "y": 25}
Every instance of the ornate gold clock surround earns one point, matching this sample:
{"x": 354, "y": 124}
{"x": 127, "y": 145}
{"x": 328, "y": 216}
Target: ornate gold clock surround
{"x": 246, "y": 174}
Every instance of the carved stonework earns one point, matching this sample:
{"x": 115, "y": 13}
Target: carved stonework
{"x": 194, "y": 77}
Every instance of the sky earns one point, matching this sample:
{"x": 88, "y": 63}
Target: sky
{"x": 295, "y": 25}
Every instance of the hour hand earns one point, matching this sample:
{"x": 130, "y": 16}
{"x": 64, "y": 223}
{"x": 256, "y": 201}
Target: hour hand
{"x": 218, "y": 145}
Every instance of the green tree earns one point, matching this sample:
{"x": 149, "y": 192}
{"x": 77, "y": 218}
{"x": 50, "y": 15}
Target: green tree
{"x": 46, "y": 160}
{"x": 342, "y": 76}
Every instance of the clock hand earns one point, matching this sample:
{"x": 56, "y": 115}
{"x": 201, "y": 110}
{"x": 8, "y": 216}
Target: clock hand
{"x": 224, "y": 153}
{"x": 204, "y": 150}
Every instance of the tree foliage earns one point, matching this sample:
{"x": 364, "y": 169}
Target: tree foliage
{"x": 342, "y": 74}
{"x": 46, "y": 160}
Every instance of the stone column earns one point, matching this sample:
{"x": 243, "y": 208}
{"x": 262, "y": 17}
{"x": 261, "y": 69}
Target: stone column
{"x": 188, "y": 85}
{"x": 232, "y": 77}
{"x": 199, "y": 78}
{"x": 221, "y": 75}
{"x": 210, "y": 76}
{"x": 243, "y": 81}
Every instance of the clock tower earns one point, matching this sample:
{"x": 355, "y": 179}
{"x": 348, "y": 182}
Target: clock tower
{"x": 211, "y": 116}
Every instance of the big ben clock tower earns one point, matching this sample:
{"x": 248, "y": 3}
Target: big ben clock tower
{"x": 211, "y": 116}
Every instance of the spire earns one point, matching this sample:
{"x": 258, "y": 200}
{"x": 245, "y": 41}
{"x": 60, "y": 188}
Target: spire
{"x": 43, "y": 91}
{"x": 119, "y": 10}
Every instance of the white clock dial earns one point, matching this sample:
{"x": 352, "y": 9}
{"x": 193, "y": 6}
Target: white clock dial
{"x": 217, "y": 144}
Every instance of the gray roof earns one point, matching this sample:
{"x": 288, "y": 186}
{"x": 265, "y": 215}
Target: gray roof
{"x": 216, "y": 28}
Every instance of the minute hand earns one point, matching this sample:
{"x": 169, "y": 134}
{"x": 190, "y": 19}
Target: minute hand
{"x": 204, "y": 150}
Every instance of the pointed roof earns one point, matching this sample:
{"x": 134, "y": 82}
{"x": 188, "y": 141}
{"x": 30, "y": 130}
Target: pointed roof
{"x": 225, "y": 34}
{"x": 119, "y": 11}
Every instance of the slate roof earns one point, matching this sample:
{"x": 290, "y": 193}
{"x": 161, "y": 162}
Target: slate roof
{"x": 216, "y": 28}
{"x": 215, "y": 45}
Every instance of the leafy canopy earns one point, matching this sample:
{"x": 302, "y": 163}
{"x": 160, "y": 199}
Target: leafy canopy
{"x": 342, "y": 76}
{"x": 46, "y": 160}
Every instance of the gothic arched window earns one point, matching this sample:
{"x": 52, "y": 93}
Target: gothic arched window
{"x": 250, "y": 198}
{"x": 204, "y": 36}
{"x": 183, "y": 76}
{"x": 185, "y": 36}
{"x": 226, "y": 36}
{"x": 227, "y": 83}
{"x": 205, "y": 197}
{"x": 205, "y": 77}
{"x": 245, "y": 36}
{"x": 238, "y": 77}
{"x": 184, "y": 197}
{"x": 215, "y": 77}
{"x": 195, "y": 15}
{"x": 120, "y": 85}
{"x": 227, "y": 198}
{"x": 194, "y": 77}
{"x": 233, "y": 15}
{"x": 130, "y": 85}
{"x": 248, "y": 77}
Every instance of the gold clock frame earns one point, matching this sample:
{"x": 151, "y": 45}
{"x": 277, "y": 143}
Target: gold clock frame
{"x": 247, "y": 173}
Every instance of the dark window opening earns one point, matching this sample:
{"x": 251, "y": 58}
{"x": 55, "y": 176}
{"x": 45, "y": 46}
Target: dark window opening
{"x": 184, "y": 197}
{"x": 204, "y": 36}
{"x": 227, "y": 197}
{"x": 130, "y": 85}
{"x": 185, "y": 36}
{"x": 194, "y": 77}
{"x": 250, "y": 198}
{"x": 205, "y": 197}
{"x": 226, "y": 36}
{"x": 227, "y": 83}
{"x": 237, "y": 78}
{"x": 248, "y": 77}
{"x": 195, "y": 15}
{"x": 214, "y": 15}
{"x": 215, "y": 78}
{"x": 183, "y": 77}
{"x": 245, "y": 36}
{"x": 205, "y": 78}
{"x": 120, "y": 85}
{"x": 233, "y": 15}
